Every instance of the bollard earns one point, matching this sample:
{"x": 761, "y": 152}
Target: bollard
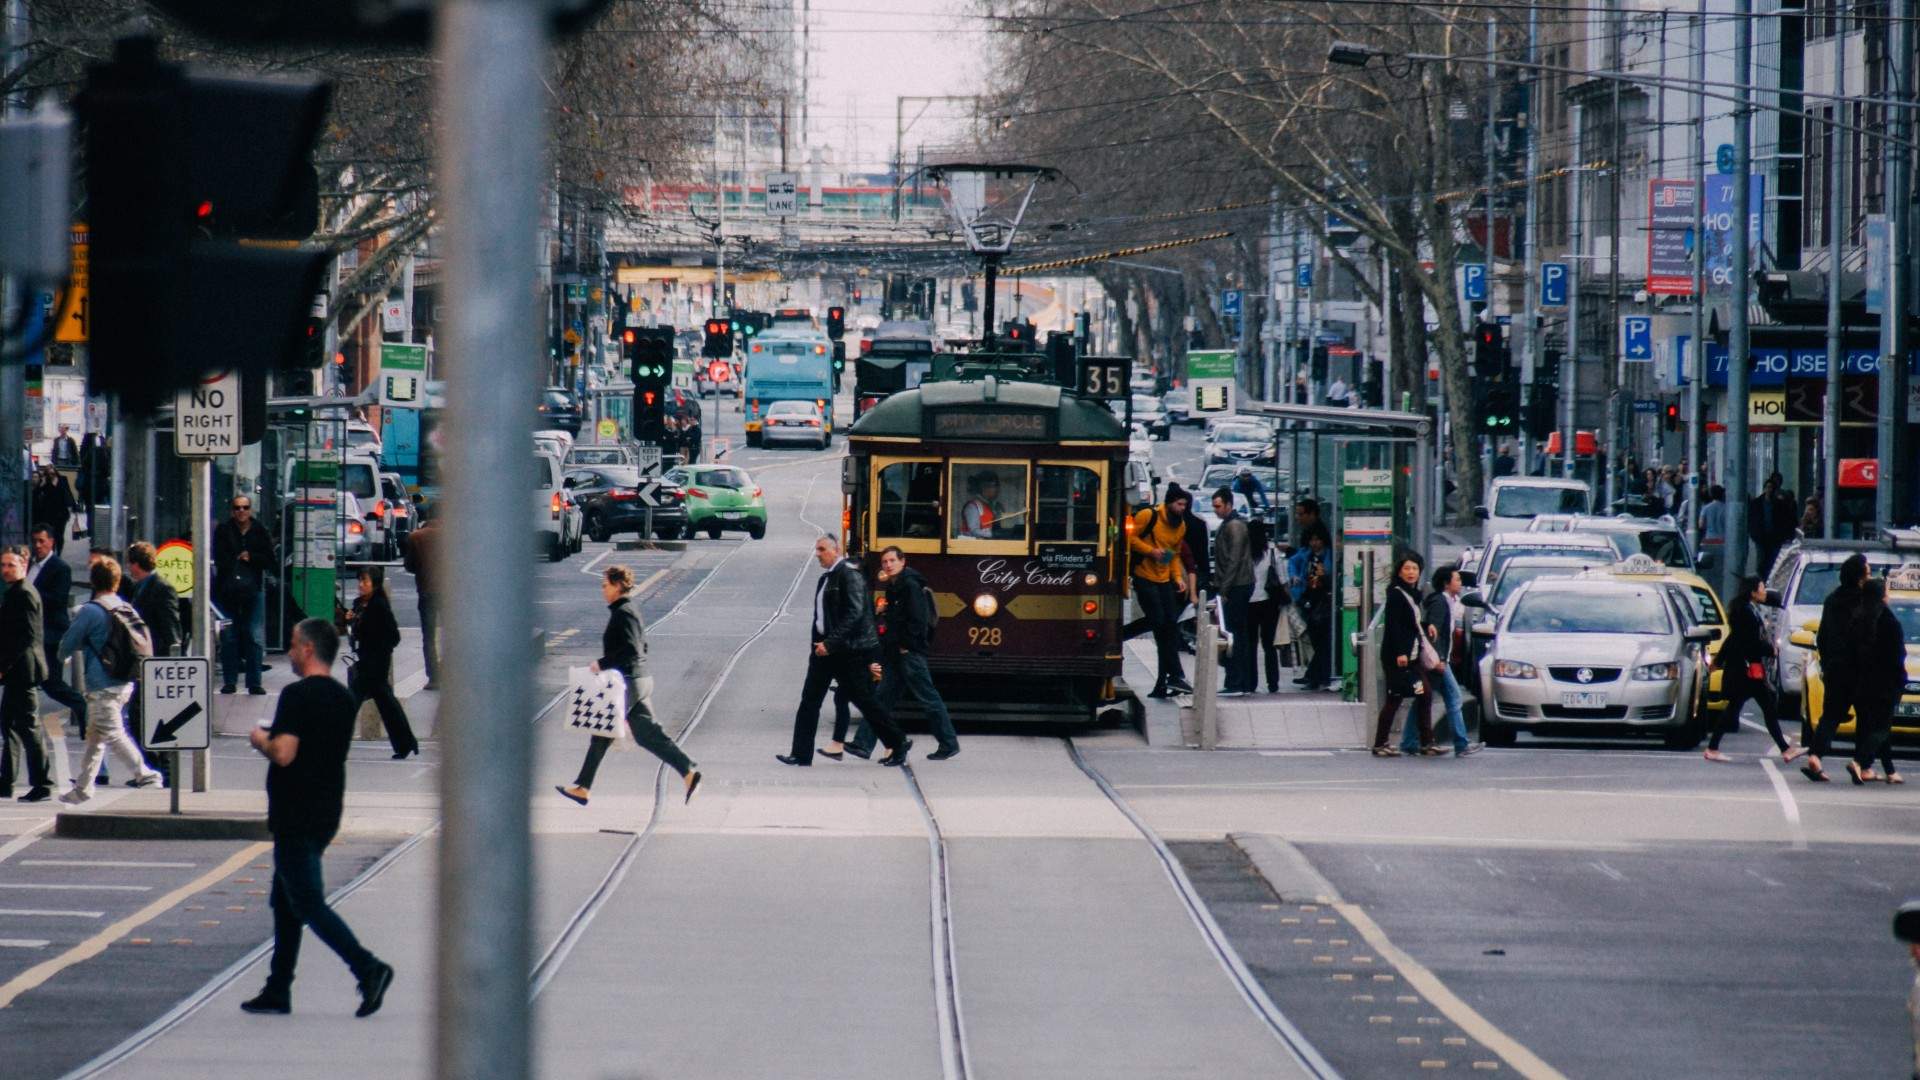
{"x": 1206, "y": 673}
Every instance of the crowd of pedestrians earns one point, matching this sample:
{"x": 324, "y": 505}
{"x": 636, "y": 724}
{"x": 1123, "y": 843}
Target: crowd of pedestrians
{"x": 1863, "y": 668}
{"x": 1420, "y": 646}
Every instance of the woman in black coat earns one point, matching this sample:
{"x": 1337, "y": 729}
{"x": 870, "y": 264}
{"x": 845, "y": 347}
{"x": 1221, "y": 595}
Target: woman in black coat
{"x": 375, "y": 636}
{"x": 623, "y": 648}
{"x": 1746, "y": 651}
{"x": 1879, "y": 648}
{"x": 1400, "y": 657}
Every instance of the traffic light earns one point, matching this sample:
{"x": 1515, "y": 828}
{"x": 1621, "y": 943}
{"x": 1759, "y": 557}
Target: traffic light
{"x": 1673, "y": 416}
{"x": 1487, "y": 345}
{"x": 719, "y": 340}
{"x": 650, "y": 354}
{"x": 195, "y": 182}
{"x": 1543, "y": 407}
{"x": 652, "y": 369}
{"x": 836, "y": 323}
{"x": 1500, "y": 411}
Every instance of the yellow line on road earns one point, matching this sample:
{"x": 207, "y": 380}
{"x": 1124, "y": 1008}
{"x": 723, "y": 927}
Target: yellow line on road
{"x": 97, "y": 944}
{"x": 1521, "y": 1059}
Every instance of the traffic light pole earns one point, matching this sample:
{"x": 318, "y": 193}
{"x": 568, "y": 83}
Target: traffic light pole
{"x": 491, "y": 155}
{"x": 1739, "y": 340}
{"x": 1697, "y": 365}
{"x": 13, "y": 377}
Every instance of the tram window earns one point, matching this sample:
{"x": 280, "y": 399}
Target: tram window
{"x": 909, "y": 501}
{"x": 989, "y": 501}
{"x": 1068, "y": 504}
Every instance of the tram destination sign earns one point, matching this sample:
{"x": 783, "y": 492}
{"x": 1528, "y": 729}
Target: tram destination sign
{"x": 1105, "y": 376}
{"x": 1067, "y": 556}
{"x": 990, "y": 425}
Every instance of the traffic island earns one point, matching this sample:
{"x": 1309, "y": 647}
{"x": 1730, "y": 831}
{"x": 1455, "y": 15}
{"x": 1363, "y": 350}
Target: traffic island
{"x": 160, "y": 825}
{"x": 650, "y": 545}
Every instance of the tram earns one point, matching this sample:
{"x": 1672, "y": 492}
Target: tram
{"x": 1005, "y": 490}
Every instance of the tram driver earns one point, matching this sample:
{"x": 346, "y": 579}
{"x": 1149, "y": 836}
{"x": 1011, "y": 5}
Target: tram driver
{"x": 983, "y": 509}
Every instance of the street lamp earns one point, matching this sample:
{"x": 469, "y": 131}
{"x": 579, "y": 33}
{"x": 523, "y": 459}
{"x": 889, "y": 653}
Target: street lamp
{"x": 1350, "y": 54}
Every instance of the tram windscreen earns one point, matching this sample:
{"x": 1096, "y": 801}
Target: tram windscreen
{"x": 989, "y": 501}
{"x": 909, "y": 501}
{"x": 1068, "y": 504}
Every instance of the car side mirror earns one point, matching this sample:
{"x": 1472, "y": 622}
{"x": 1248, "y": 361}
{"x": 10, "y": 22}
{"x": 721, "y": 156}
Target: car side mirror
{"x": 1705, "y": 561}
{"x": 1484, "y": 629}
{"x": 1701, "y": 635}
{"x": 1480, "y": 512}
{"x": 1473, "y": 600}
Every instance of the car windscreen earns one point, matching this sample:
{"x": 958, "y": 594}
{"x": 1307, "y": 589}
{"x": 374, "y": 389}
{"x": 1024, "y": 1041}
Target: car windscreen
{"x": 556, "y": 399}
{"x": 358, "y": 439}
{"x": 358, "y": 478}
{"x": 1908, "y": 612}
{"x": 1516, "y": 576}
{"x": 1563, "y": 611}
{"x": 1506, "y": 553}
{"x": 617, "y": 475}
{"x": 597, "y": 457}
{"x": 1240, "y": 434}
{"x": 791, "y": 408}
{"x": 723, "y": 478}
{"x": 1666, "y": 545}
{"x": 1526, "y": 502}
{"x": 1819, "y": 579}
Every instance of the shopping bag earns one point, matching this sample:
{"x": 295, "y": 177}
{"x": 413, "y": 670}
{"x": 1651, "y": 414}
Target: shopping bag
{"x": 597, "y": 703}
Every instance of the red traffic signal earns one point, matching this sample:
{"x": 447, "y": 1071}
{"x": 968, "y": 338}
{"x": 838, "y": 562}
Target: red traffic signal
{"x": 628, "y": 337}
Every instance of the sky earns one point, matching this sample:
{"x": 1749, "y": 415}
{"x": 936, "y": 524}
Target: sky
{"x": 866, "y": 53}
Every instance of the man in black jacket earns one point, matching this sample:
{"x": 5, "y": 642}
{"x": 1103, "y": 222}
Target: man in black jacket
{"x": 844, "y": 652}
{"x": 904, "y": 641}
{"x": 52, "y": 578}
{"x": 1836, "y": 661}
{"x": 23, "y": 664}
{"x": 159, "y": 607}
{"x": 1772, "y": 520}
{"x": 242, "y": 558}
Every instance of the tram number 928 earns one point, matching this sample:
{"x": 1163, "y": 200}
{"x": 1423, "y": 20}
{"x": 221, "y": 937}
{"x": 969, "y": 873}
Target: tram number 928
{"x": 988, "y": 636}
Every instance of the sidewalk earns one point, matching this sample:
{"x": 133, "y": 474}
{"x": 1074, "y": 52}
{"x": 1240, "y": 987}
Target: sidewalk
{"x": 238, "y": 713}
{"x": 1289, "y": 720}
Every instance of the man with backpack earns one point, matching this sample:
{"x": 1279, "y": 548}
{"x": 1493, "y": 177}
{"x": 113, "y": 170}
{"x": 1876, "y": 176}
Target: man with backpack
{"x": 112, "y": 639}
{"x": 906, "y": 625}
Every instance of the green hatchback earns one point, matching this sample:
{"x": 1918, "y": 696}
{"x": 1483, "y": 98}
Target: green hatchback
{"x": 721, "y": 498}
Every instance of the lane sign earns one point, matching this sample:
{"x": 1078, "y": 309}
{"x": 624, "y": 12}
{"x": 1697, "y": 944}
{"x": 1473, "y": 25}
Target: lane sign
{"x": 648, "y": 491}
{"x": 1554, "y": 277}
{"x": 1636, "y": 339}
{"x": 176, "y": 696}
{"x": 783, "y": 194}
{"x": 206, "y": 417}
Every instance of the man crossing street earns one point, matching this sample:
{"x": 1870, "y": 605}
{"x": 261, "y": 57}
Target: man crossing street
{"x": 905, "y": 635}
{"x": 845, "y": 645}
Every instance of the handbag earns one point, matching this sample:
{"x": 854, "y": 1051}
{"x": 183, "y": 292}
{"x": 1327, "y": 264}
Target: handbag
{"x": 1756, "y": 671}
{"x": 597, "y": 703}
{"x": 1428, "y": 657}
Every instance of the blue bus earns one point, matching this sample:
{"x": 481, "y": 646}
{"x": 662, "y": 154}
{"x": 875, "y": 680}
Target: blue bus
{"x": 788, "y": 363}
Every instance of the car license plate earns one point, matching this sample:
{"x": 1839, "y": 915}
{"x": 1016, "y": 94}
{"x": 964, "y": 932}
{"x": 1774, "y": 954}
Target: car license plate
{"x": 1582, "y": 700}
{"x": 1907, "y": 708}
{"x": 733, "y": 515}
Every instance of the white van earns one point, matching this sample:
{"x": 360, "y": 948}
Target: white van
{"x": 1517, "y": 500}
{"x": 556, "y": 519}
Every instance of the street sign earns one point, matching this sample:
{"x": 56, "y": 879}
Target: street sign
{"x": 1473, "y": 278}
{"x": 393, "y": 317}
{"x": 176, "y": 702}
{"x": 1554, "y": 277}
{"x": 1723, "y": 159}
{"x": 1303, "y": 277}
{"x": 647, "y": 491}
{"x": 647, "y": 460}
{"x": 783, "y": 194}
{"x": 71, "y": 326}
{"x": 1645, "y": 405}
{"x": 1107, "y": 377}
{"x": 206, "y": 417}
{"x": 1230, "y": 303}
{"x": 1636, "y": 339}
{"x": 403, "y": 375}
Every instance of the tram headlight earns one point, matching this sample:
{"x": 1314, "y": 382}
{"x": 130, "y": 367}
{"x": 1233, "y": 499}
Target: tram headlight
{"x": 1090, "y": 580}
{"x": 985, "y": 605}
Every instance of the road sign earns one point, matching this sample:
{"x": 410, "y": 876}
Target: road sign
{"x": 783, "y": 194}
{"x": 403, "y": 375}
{"x": 647, "y": 460}
{"x": 1723, "y": 159}
{"x": 206, "y": 418}
{"x": 1473, "y": 278}
{"x": 176, "y": 702}
{"x": 393, "y": 317}
{"x": 647, "y": 491}
{"x": 1303, "y": 277}
{"x": 1646, "y": 405}
{"x": 173, "y": 561}
{"x": 1230, "y": 303}
{"x": 1636, "y": 339}
{"x": 71, "y": 326}
{"x": 1210, "y": 363}
{"x": 608, "y": 429}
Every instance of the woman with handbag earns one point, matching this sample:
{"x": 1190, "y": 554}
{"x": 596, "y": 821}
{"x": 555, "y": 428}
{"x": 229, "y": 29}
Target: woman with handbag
{"x": 1743, "y": 671}
{"x": 1440, "y": 617}
{"x": 375, "y": 635}
{"x": 623, "y": 648}
{"x": 1270, "y": 596}
{"x": 1401, "y": 660}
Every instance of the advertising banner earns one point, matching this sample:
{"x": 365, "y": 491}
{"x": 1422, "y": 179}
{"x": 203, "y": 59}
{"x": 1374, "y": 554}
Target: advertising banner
{"x": 1670, "y": 237}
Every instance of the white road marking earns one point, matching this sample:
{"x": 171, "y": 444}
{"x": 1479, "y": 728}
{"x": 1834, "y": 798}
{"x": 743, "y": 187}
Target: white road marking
{"x": 128, "y": 864}
{"x": 42, "y": 913}
{"x": 595, "y": 561}
{"x": 1490, "y": 868}
{"x": 23, "y": 943}
{"x": 1764, "y": 879}
{"x": 1787, "y": 805}
{"x": 78, "y": 888}
{"x": 19, "y": 843}
{"x": 1607, "y": 870}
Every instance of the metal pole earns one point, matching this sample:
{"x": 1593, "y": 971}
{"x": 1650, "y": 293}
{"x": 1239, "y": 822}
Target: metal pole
{"x": 986, "y": 304}
{"x": 118, "y": 430}
{"x": 13, "y": 377}
{"x": 1570, "y": 360}
{"x": 1836, "y": 349}
{"x": 1889, "y": 492}
{"x": 491, "y": 153}
{"x": 203, "y": 636}
{"x": 1206, "y": 674}
{"x": 1739, "y": 344}
{"x": 720, "y": 307}
{"x": 1697, "y": 362}
{"x": 1616, "y": 169}
{"x": 1293, "y": 314}
{"x": 1530, "y": 358}
{"x": 1493, "y": 108}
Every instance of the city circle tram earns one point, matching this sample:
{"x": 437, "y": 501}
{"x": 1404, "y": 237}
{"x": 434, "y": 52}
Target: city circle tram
{"x": 1004, "y": 490}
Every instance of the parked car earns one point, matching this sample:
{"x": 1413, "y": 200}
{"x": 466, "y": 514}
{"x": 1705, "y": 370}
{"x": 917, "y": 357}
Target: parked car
{"x": 555, "y": 442}
{"x": 721, "y": 498}
{"x": 1141, "y": 486}
{"x": 1517, "y": 500}
{"x": 610, "y": 503}
{"x": 559, "y": 408}
{"x": 556, "y": 519}
{"x": 585, "y": 456}
{"x": 1179, "y": 405}
{"x": 1149, "y": 412}
{"x": 1906, "y": 929}
{"x": 794, "y": 422}
{"x": 1658, "y": 537}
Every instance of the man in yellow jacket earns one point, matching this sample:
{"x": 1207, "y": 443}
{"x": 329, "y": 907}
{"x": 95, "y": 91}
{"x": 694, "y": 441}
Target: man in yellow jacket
{"x": 1157, "y": 537}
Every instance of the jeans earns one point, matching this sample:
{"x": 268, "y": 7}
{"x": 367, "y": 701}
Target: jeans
{"x": 299, "y": 901}
{"x": 646, "y": 731}
{"x": 908, "y": 671}
{"x": 430, "y": 632}
{"x": 19, "y": 722}
{"x": 107, "y": 730}
{"x": 1242, "y": 675}
{"x": 1442, "y": 684}
{"x": 1320, "y": 664}
{"x": 849, "y": 670}
{"x": 372, "y": 678}
{"x": 1161, "y": 604}
{"x": 241, "y": 647}
{"x": 1417, "y": 720}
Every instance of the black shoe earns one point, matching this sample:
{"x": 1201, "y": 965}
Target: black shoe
{"x": 1160, "y": 691}
{"x": 227, "y": 688}
{"x": 863, "y": 753}
{"x": 943, "y": 753}
{"x": 6, "y": 792}
{"x": 102, "y": 780}
{"x": 832, "y": 755}
{"x": 373, "y": 989}
{"x": 789, "y": 759}
{"x": 403, "y": 755}
{"x": 268, "y": 1003}
{"x": 39, "y": 794}
{"x": 1180, "y": 686}
{"x": 899, "y": 755}
{"x": 257, "y": 691}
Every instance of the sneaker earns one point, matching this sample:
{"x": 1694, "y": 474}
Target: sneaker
{"x": 75, "y": 797}
{"x": 373, "y": 989}
{"x": 1470, "y": 748}
{"x": 152, "y": 779}
{"x": 1235, "y": 693}
{"x": 268, "y": 1003}
{"x": 39, "y": 794}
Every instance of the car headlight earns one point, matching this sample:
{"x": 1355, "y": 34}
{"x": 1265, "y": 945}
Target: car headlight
{"x": 1795, "y": 669}
{"x": 1662, "y": 672}
{"x": 1514, "y": 669}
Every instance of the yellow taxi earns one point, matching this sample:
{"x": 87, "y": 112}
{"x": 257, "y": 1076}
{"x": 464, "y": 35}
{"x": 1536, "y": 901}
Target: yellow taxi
{"x": 1692, "y": 597}
{"x": 1903, "y": 599}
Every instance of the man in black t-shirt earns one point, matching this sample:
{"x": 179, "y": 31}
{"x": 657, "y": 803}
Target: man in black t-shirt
{"x": 306, "y": 783}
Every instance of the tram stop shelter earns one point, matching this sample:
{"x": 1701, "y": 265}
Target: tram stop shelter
{"x": 1367, "y": 468}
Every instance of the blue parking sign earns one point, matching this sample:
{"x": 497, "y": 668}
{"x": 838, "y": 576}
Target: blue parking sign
{"x": 1636, "y": 339}
{"x": 1230, "y": 303}
{"x": 1474, "y": 280}
{"x": 1303, "y": 278}
{"x": 1553, "y": 284}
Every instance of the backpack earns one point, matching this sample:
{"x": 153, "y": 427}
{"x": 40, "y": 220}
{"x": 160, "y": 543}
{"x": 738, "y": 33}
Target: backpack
{"x": 933, "y": 611}
{"x": 128, "y": 643}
